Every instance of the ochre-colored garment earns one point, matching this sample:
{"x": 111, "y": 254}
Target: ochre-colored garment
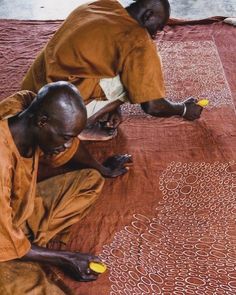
{"x": 26, "y": 278}
{"x": 31, "y": 213}
{"x": 17, "y": 185}
{"x": 100, "y": 40}
{"x": 16, "y": 103}
{"x": 18, "y": 201}
{"x": 60, "y": 202}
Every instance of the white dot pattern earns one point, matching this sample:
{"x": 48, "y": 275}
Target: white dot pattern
{"x": 194, "y": 68}
{"x": 191, "y": 68}
{"x": 188, "y": 246}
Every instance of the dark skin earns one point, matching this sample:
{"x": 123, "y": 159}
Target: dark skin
{"x": 102, "y": 125}
{"x": 112, "y": 167}
{"x": 109, "y": 109}
{"x": 42, "y": 128}
{"x": 153, "y": 16}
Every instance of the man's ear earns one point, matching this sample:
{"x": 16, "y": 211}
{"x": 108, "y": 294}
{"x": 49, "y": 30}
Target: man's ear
{"x": 146, "y": 16}
{"x": 42, "y": 121}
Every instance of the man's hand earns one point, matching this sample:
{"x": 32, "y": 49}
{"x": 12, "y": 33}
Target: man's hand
{"x": 116, "y": 165}
{"x": 164, "y": 108}
{"x": 77, "y": 266}
{"x": 193, "y": 111}
{"x": 112, "y": 120}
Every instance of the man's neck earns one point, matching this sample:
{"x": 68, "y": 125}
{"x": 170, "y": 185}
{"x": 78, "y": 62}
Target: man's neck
{"x": 134, "y": 11}
{"x": 19, "y": 126}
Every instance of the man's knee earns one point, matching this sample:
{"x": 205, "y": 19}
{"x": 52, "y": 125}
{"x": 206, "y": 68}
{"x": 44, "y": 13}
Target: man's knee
{"x": 93, "y": 181}
{"x": 96, "y": 180}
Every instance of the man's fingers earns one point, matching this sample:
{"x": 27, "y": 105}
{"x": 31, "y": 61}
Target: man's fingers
{"x": 193, "y": 111}
{"x": 85, "y": 276}
{"x": 111, "y": 131}
{"x": 119, "y": 172}
{"x": 200, "y": 111}
{"x": 191, "y": 99}
{"x": 127, "y": 159}
{"x": 109, "y": 124}
{"x": 88, "y": 277}
{"x": 88, "y": 271}
{"x": 118, "y": 161}
{"x": 124, "y": 158}
{"x": 115, "y": 123}
{"x": 122, "y": 171}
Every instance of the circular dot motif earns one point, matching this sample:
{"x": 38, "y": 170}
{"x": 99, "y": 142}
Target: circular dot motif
{"x": 189, "y": 245}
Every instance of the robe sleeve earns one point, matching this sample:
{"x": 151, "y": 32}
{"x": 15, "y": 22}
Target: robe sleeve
{"x": 13, "y": 242}
{"x": 15, "y": 103}
{"x": 142, "y": 73}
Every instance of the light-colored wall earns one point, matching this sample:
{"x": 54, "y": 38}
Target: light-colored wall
{"x": 59, "y": 9}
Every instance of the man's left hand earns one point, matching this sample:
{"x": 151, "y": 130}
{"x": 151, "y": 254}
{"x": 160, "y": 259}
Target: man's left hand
{"x": 193, "y": 111}
{"x": 116, "y": 165}
{"x": 113, "y": 120}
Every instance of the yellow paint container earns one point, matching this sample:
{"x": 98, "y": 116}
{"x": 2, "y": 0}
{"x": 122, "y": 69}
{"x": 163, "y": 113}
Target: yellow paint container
{"x": 203, "y": 102}
{"x": 97, "y": 267}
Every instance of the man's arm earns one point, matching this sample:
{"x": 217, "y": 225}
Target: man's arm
{"x": 109, "y": 108}
{"x": 76, "y": 264}
{"x": 165, "y": 108}
{"x": 112, "y": 167}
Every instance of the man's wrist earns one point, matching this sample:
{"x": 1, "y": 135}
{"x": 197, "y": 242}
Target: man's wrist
{"x": 104, "y": 170}
{"x": 179, "y": 109}
{"x": 184, "y": 111}
{"x": 63, "y": 258}
{"x": 47, "y": 256}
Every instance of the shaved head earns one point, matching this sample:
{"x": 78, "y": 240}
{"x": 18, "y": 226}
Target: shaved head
{"x": 150, "y": 14}
{"x": 153, "y": 3}
{"x": 61, "y": 97}
{"x": 58, "y": 114}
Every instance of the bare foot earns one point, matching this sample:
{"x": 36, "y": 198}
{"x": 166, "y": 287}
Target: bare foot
{"x": 97, "y": 133}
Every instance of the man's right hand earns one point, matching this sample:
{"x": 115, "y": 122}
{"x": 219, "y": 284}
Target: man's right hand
{"x": 116, "y": 165}
{"x": 113, "y": 120}
{"x": 193, "y": 110}
{"x": 74, "y": 263}
{"x": 77, "y": 266}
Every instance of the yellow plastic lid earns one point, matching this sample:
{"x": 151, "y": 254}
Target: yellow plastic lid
{"x": 97, "y": 267}
{"x": 203, "y": 102}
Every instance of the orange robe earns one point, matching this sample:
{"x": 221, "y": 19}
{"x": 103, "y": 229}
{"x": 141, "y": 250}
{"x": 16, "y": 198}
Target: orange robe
{"x": 100, "y": 40}
{"x": 35, "y": 213}
{"x": 18, "y": 177}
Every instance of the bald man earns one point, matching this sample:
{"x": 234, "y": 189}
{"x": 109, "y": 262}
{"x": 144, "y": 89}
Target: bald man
{"x": 31, "y": 215}
{"x": 106, "y": 50}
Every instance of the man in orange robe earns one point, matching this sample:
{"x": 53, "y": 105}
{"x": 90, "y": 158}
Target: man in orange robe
{"x": 106, "y": 50}
{"x": 31, "y": 215}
